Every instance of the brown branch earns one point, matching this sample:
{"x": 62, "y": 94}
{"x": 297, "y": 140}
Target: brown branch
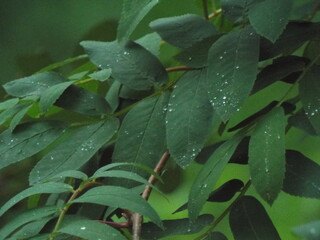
{"x": 136, "y": 217}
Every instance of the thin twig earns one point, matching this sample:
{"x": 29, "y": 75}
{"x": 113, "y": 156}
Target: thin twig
{"x": 136, "y": 217}
{"x": 214, "y": 14}
{"x": 205, "y": 8}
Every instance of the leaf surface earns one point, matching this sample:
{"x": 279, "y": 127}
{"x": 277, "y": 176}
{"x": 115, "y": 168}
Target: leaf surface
{"x": 232, "y": 62}
{"x": 310, "y": 91}
{"x": 302, "y": 176}
{"x": 120, "y": 197}
{"x": 49, "y": 187}
{"x": 141, "y": 137}
{"x": 249, "y": 220}
{"x": 208, "y": 176}
{"x": 19, "y": 116}
{"x": 32, "y": 85}
{"x": 131, "y": 64}
{"x": 269, "y": 18}
{"x": 267, "y": 155}
{"x": 183, "y": 31}
{"x": 27, "y": 140}
{"x": 133, "y": 11}
{"x": 50, "y": 95}
{"x": 25, "y": 217}
{"x": 102, "y": 75}
{"x": 91, "y": 230}
{"x": 175, "y": 227}
{"x": 216, "y": 236}
{"x": 75, "y": 151}
{"x": 151, "y": 42}
{"x": 189, "y": 118}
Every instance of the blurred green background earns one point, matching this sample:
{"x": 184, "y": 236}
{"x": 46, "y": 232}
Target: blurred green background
{"x": 36, "y": 33}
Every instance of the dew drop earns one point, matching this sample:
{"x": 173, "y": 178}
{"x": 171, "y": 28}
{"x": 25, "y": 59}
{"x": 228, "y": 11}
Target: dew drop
{"x": 83, "y": 228}
{"x": 190, "y": 58}
{"x": 221, "y": 57}
{"x": 237, "y": 67}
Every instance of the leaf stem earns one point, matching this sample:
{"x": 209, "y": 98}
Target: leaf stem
{"x": 225, "y": 212}
{"x": 136, "y": 217}
{"x": 205, "y": 9}
{"x": 215, "y": 13}
{"x": 64, "y": 210}
{"x": 179, "y": 68}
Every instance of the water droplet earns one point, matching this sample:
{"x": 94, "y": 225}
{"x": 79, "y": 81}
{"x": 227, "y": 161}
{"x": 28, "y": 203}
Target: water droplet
{"x": 237, "y": 67}
{"x": 126, "y": 132}
{"x": 221, "y": 57}
{"x": 224, "y": 97}
{"x": 51, "y": 158}
{"x": 251, "y": 33}
{"x": 83, "y": 228}
{"x": 190, "y": 58}
{"x": 100, "y": 65}
{"x": 126, "y": 53}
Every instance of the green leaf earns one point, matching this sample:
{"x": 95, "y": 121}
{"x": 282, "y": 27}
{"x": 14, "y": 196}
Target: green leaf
{"x": 222, "y": 194}
{"x": 183, "y": 31}
{"x": 74, "y": 151}
{"x": 232, "y": 60}
{"x": 309, "y": 231}
{"x": 175, "y": 227}
{"x": 18, "y": 116}
{"x": 62, "y": 63}
{"x": 131, "y": 64}
{"x": 91, "y": 230}
{"x": 50, "y": 95}
{"x": 267, "y": 155}
{"x": 309, "y": 91}
{"x": 31, "y": 229}
{"x": 237, "y": 10}
{"x": 295, "y": 34}
{"x": 25, "y": 217}
{"x": 249, "y": 220}
{"x": 280, "y": 68}
{"x": 302, "y": 176}
{"x": 112, "y": 96}
{"x": 216, "y": 236}
{"x": 27, "y": 140}
{"x": 133, "y": 11}
{"x": 189, "y": 118}
{"x": 301, "y": 121}
{"x": 101, "y": 75}
{"x": 11, "y": 112}
{"x": 82, "y": 101}
{"x": 123, "y": 174}
{"x": 197, "y": 55}
{"x": 312, "y": 51}
{"x": 70, "y": 174}
{"x": 8, "y": 103}
{"x": 208, "y": 176}
{"x": 151, "y": 42}
{"x": 49, "y": 187}
{"x": 33, "y": 85}
{"x": 269, "y": 18}
{"x": 141, "y": 137}
{"x": 120, "y": 197}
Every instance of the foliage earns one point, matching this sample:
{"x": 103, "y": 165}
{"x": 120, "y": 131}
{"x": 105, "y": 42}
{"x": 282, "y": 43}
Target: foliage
{"x": 101, "y": 131}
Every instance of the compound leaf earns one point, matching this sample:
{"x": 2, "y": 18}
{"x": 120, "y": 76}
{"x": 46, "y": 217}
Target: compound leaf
{"x": 120, "y": 197}
{"x": 131, "y": 64}
{"x": 133, "y": 11}
{"x": 27, "y": 140}
{"x": 269, "y": 18}
{"x": 302, "y": 176}
{"x": 50, "y": 187}
{"x": 141, "y": 137}
{"x": 189, "y": 118}
{"x": 232, "y": 70}
{"x": 175, "y": 227}
{"x": 183, "y": 31}
{"x": 208, "y": 176}
{"x": 91, "y": 230}
{"x": 309, "y": 90}
{"x": 267, "y": 155}
{"x": 249, "y": 220}
{"x": 33, "y": 85}
{"x": 25, "y": 217}
{"x": 75, "y": 151}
